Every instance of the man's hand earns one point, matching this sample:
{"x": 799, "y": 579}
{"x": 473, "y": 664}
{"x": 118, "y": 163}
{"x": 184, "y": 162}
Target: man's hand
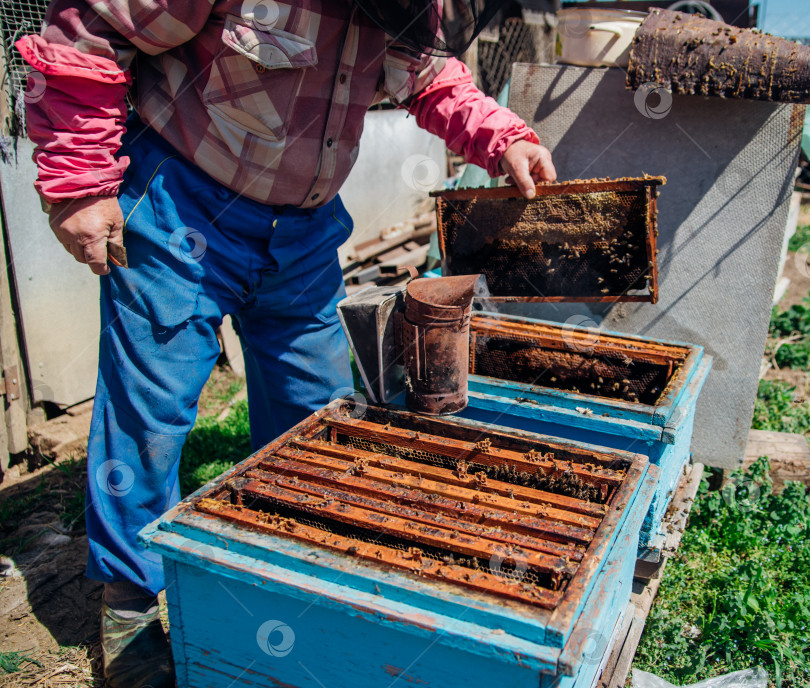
{"x": 85, "y": 225}
{"x": 527, "y": 163}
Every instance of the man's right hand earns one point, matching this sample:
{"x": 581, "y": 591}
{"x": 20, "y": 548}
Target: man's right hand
{"x": 85, "y": 225}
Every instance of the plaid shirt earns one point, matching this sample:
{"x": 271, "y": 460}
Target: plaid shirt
{"x": 267, "y": 97}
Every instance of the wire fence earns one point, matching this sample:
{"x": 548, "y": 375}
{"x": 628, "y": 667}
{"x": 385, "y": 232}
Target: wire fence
{"x": 17, "y": 18}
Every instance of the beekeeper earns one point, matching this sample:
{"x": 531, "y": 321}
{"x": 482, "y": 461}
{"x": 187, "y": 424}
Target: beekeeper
{"x": 222, "y": 184}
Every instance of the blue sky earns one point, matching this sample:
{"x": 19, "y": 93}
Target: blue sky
{"x": 786, "y": 17}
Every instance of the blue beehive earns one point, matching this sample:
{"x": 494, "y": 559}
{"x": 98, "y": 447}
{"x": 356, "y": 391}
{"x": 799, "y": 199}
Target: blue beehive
{"x": 342, "y": 554}
{"x": 605, "y": 388}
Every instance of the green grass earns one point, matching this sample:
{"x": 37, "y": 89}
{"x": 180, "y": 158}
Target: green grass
{"x": 213, "y": 447}
{"x": 778, "y": 408}
{"x": 737, "y": 593}
{"x": 800, "y": 238}
{"x": 218, "y": 392}
{"x": 10, "y": 662}
{"x": 790, "y": 336}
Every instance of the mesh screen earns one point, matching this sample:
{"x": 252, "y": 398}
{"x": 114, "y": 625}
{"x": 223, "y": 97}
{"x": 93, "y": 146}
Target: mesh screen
{"x": 17, "y": 19}
{"x": 566, "y": 245}
{"x": 615, "y": 376}
{"x": 495, "y": 58}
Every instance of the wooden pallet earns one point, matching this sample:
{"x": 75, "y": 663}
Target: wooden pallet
{"x": 617, "y": 668}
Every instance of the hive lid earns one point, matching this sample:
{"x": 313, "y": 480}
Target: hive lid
{"x": 583, "y": 240}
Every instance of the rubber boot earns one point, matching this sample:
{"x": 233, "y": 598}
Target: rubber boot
{"x": 136, "y": 651}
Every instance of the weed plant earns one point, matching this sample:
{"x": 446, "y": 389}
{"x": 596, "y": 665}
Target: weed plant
{"x": 736, "y": 595}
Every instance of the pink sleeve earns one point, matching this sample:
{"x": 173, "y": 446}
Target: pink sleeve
{"x": 75, "y": 113}
{"x": 471, "y": 124}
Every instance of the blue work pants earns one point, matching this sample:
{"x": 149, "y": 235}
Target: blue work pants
{"x": 196, "y": 252}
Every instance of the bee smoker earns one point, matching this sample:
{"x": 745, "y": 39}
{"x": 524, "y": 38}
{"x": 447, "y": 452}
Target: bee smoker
{"x": 414, "y": 338}
{"x": 435, "y": 342}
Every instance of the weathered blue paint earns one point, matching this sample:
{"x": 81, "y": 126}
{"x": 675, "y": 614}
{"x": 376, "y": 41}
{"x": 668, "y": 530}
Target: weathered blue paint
{"x": 358, "y": 625}
{"x": 663, "y": 431}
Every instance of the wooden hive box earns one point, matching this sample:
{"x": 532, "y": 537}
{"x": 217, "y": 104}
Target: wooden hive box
{"x": 367, "y": 546}
{"x": 607, "y": 389}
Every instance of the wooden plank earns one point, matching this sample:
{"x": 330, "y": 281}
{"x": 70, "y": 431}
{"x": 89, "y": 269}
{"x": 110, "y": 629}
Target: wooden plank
{"x": 11, "y": 360}
{"x": 348, "y": 453}
{"x": 613, "y": 658}
{"x": 479, "y": 452}
{"x": 6, "y": 115}
{"x": 621, "y": 668}
{"x": 366, "y": 250}
{"x": 788, "y": 453}
{"x": 415, "y": 257}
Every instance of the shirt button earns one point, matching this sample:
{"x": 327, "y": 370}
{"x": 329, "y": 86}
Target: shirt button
{"x": 315, "y": 197}
{"x": 260, "y": 68}
{"x": 329, "y": 143}
{"x": 342, "y": 79}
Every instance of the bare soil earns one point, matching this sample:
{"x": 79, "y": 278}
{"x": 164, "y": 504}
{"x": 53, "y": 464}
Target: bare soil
{"x": 49, "y": 610}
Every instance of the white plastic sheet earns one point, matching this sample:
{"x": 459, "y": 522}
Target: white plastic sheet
{"x": 749, "y": 678}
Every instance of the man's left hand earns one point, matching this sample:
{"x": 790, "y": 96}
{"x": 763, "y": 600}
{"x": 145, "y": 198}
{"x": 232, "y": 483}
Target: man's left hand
{"x": 526, "y": 164}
